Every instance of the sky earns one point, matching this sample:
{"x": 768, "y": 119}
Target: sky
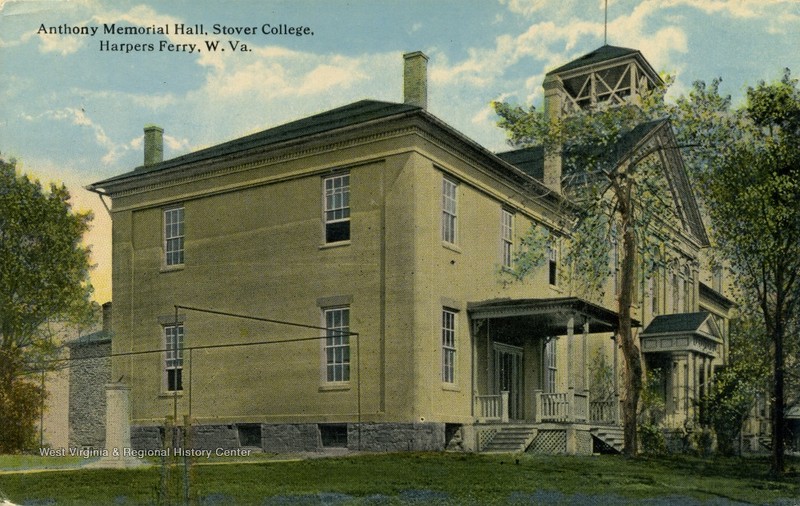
{"x": 73, "y": 105}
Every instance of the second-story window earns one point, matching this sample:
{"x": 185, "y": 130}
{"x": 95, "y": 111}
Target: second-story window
{"x": 552, "y": 264}
{"x": 173, "y": 236}
{"x": 449, "y": 211}
{"x": 337, "y": 208}
{"x": 507, "y": 237}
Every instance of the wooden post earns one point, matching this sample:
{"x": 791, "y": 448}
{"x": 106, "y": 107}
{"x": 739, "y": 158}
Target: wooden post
{"x": 504, "y": 406}
{"x": 537, "y": 403}
{"x": 571, "y": 404}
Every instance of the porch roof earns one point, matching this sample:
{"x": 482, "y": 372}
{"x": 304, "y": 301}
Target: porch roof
{"x": 551, "y": 314}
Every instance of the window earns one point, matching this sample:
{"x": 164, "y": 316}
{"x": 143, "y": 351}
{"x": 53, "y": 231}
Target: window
{"x": 506, "y": 237}
{"x": 448, "y": 346}
{"x": 676, "y": 292}
{"x": 552, "y": 264}
{"x": 550, "y": 366}
{"x": 337, "y": 208}
{"x": 337, "y": 344}
{"x": 449, "y": 206}
{"x": 654, "y": 291}
{"x": 173, "y": 236}
{"x": 688, "y": 291}
{"x": 174, "y": 358}
{"x": 716, "y": 279}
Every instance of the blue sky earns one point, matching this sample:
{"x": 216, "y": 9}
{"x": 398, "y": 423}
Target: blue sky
{"x": 71, "y": 112}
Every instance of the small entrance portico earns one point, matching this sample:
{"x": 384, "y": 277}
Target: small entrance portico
{"x": 516, "y": 376}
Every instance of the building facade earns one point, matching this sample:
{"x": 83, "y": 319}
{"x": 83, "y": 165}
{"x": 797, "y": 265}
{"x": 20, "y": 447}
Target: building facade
{"x": 338, "y": 281}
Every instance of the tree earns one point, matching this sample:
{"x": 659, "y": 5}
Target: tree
{"x": 43, "y": 279}
{"x": 748, "y": 165}
{"x": 617, "y": 192}
{"x": 738, "y": 385}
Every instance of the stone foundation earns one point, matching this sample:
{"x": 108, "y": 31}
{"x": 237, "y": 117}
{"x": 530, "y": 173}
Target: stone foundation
{"x": 396, "y": 437}
{"x": 305, "y": 437}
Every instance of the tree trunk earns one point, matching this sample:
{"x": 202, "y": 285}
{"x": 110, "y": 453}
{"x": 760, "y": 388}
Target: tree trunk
{"x": 630, "y": 352}
{"x": 778, "y": 405}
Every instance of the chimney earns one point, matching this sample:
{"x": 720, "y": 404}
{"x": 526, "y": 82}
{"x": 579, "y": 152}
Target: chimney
{"x": 153, "y": 145}
{"x": 553, "y": 104}
{"x": 107, "y": 318}
{"x": 415, "y": 79}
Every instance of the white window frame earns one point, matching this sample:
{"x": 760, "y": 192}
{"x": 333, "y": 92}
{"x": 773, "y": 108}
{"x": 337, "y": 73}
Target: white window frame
{"x": 174, "y": 236}
{"x": 336, "y": 204}
{"x": 506, "y": 238}
{"x": 336, "y": 345}
{"x": 449, "y": 345}
{"x": 449, "y": 211}
{"x": 173, "y": 356}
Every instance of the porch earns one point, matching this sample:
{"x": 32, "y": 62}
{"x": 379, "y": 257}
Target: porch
{"x": 533, "y": 384}
{"x": 556, "y": 407}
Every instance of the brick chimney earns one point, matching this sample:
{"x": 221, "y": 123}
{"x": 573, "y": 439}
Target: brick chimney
{"x": 553, "y": 103}
{"x": 415, "y": 79}
{"x": 153, "y": 144}
{"x": 107, "y": 318}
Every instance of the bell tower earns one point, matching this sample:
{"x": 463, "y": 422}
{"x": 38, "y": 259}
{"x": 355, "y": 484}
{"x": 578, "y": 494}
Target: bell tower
{"x": 608, "y": 76}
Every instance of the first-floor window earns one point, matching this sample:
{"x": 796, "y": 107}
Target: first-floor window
{"x": 550, "y": 366}
{"x": 448, "y": 346}
{"x": 174, "y": 359}
{"x": 337, "y": 344}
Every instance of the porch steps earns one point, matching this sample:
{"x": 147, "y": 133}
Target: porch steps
{"x": 511, "y": 439}
{"x": 611, "y": 439}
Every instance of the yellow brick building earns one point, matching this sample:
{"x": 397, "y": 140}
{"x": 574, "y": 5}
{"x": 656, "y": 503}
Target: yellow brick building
{"x": 388, "y": 228}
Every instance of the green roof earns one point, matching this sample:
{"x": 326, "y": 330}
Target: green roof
{"x": 676, "y": 323}
{"x": 352, "y": 114}
{"x": 599, "y": 55}
{"x": 98, "y": 337}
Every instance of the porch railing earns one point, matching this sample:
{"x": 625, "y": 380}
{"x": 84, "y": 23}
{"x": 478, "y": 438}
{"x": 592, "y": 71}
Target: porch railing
{"x": 569, "y": 406}
{"x": 492, "y": 408}
{"x": 606, "y": 412}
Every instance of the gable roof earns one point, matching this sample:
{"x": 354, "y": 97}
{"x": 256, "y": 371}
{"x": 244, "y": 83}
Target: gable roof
{"x": 531, "y": 161}
{"x": 341, "y": 117}
{"x": 676, "y": 323}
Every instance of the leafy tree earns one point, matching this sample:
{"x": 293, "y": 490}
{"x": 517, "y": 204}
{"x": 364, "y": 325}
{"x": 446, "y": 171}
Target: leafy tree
{"x": 738, "y": 385}
{"x": 749, "y": 173}
{"x": 43, "y": 279}
{"x": 618, "y": 194}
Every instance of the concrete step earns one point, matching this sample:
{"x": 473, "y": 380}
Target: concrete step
{"x": 510, "y": 440}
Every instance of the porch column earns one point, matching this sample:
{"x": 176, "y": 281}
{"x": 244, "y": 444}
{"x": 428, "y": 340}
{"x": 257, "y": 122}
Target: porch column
{"x": 570, "y": 357}
{"x": 585, "y": 361}
{"x": 615, "y": 375}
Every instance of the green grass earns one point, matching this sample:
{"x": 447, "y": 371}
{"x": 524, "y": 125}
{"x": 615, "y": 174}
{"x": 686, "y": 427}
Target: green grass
{"x": 425, "y": 478}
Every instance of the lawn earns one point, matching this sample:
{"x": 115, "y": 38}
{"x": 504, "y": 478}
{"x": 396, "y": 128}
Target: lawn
{"x": 427, "y": 478}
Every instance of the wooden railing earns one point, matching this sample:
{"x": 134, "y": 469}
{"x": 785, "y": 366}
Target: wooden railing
{"x": 492, "y": 408}
{"x": 569, "y": 406}
{"x": 606, "y": 412}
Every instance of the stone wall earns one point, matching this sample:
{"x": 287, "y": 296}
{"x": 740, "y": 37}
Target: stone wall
{"x": 90, "y": 370}
{"x": 396, "y": 437}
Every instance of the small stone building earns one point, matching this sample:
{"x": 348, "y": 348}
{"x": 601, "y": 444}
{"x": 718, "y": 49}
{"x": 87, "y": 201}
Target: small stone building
{"x": 90, "y": 370}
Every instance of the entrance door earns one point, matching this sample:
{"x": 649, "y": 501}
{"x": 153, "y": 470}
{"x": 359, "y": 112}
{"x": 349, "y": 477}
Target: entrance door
{"x": 508, "y": 377}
